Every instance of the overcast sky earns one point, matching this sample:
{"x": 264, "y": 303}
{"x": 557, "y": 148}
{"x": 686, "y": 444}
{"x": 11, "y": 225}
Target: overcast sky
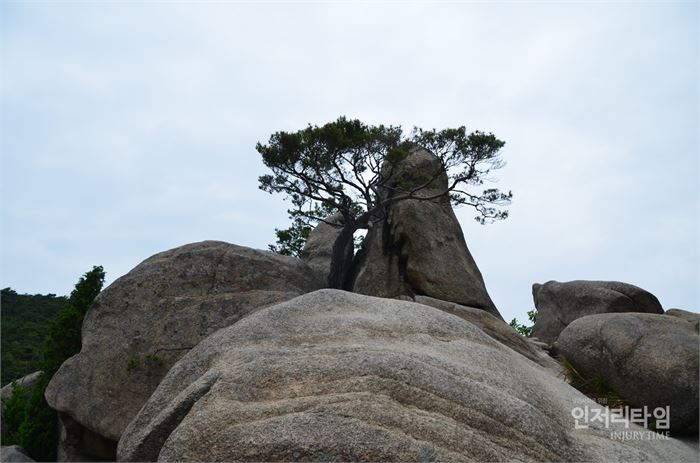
{"x": 129, "y": 128}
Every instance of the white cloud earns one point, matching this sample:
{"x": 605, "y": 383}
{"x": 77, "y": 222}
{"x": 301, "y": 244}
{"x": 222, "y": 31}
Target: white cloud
{"x": 130, "y": 128}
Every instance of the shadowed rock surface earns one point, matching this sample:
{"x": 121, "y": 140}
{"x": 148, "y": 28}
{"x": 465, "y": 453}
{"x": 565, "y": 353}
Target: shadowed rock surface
{"x": 77, "y": 443}
{"x": 146, "y": 320}
{"x": 336, "y": 376}
{"x": 418, "y": 248}
{"x": 559, "y": 304}
{"x": 13, "y": 453}
{"x": 647, "y": 359}
{"x": 318, "y": 250}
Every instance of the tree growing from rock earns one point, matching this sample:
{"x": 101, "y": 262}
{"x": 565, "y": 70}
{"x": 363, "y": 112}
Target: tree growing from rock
{"x": 350, "y": 167}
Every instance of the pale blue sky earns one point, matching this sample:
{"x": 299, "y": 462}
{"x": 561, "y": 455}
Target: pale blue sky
{"x": 129, "y": 128}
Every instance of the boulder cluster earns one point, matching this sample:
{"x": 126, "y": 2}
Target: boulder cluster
{"x": 218, "y": 352}
{"x": 619, "y": 334}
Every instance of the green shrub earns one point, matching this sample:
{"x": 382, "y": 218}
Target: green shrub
{"x": 13, "y": 414}
{"x": 38, "y": 433}
{"x": 26, "y": 320}
{"x": 36, "y": 430}
{"x": 525, "y": 330}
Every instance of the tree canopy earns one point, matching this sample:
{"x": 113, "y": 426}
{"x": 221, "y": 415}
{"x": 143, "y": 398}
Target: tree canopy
{"x": 347, "y": 166}
{"x": 26, "y": 320}
{"x": 33, "y": 423}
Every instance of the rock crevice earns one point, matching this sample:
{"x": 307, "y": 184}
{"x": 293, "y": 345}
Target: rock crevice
{"x": 418, "y": 247}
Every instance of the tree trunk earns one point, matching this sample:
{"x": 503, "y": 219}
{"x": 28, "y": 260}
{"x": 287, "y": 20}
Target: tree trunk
{"x": 341, "y": 257}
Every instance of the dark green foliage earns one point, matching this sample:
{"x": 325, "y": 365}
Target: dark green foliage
{"x": 25, "y": 324}
{"x": 149, "y": 360}
{"x": 290, "y": 241}
{"x": 38, "y": 433}
{"x": 13, "y": 414}
{"x": 343, "y": 166}
{"x": 339, "y": 166}
{"x": 133, "y": 364}
{"x": 64, "y": 340}
{"x": 37, "y": 430}
{"x": 525, "y": 330}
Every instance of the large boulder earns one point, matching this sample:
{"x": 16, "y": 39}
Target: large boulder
{"x": 559, "y": 304}
{"x": 337, "y": 376}
{"x": 418, "y": 248}
{"x": 318, "y": 250}
{"x": 649, "y": 360}
{"x": 691, "y": 317}
{"x": 13, "y": 453}
{"x": 146, "y": 320}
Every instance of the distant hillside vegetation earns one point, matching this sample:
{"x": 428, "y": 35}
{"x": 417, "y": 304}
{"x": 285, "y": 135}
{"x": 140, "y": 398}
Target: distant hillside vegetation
{"x": 24, "y": 325}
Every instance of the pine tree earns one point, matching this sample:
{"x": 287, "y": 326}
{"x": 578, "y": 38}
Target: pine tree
{"x": 37, "y": 429}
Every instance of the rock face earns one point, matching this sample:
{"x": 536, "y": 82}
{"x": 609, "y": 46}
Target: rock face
{"x": 77, "y": 443}
{"x": 497, "y": 329}
{"x": 691, "y": 317}
{"x": 10, "y": 453}
{"x": 146, "y": 320}
{"x": 559, "y": 304}
{"x": 27, "y": 382}
{"x": 318, "y": 250}
{"x": 336, "y": 376}
{"x": 647, "y": 359}
{"x": 418, "y": 248}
